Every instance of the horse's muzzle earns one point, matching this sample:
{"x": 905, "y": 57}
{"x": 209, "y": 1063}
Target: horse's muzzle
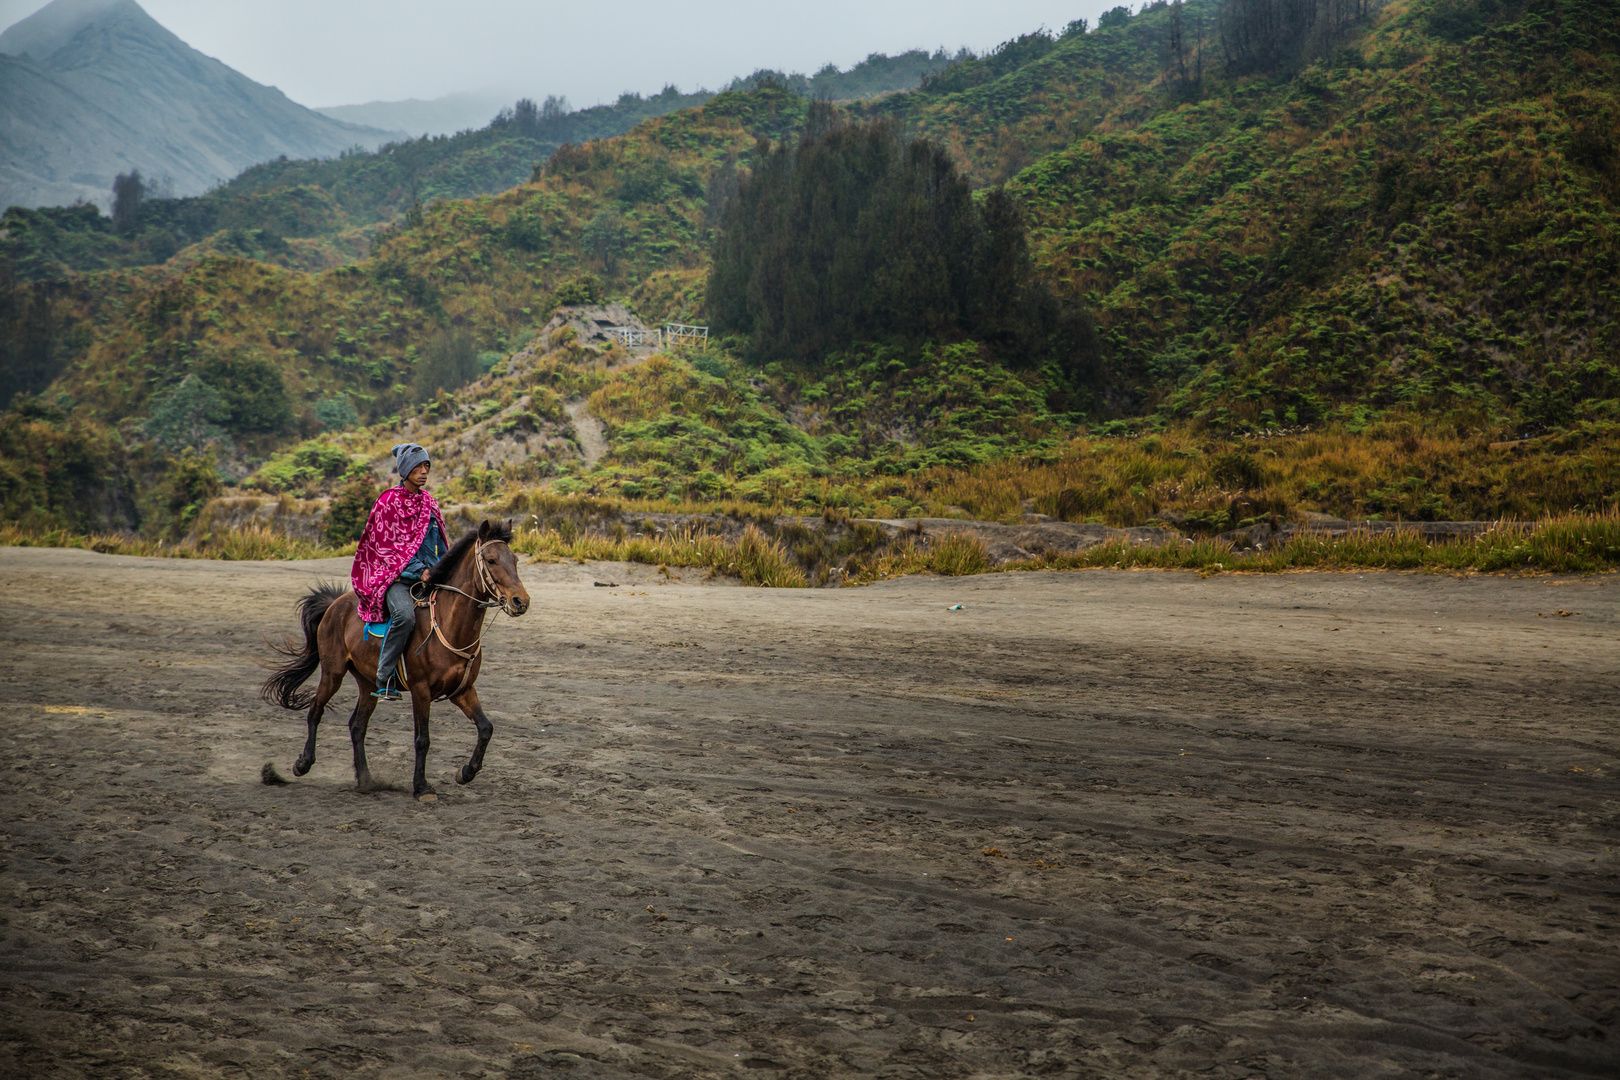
{"x": 517, "y": 605}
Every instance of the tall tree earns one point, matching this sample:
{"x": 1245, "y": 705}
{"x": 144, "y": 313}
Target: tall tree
{"x": 128, "y": 192}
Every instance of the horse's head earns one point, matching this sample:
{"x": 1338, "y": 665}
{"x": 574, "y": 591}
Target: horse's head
{"x": 498, "y": 568}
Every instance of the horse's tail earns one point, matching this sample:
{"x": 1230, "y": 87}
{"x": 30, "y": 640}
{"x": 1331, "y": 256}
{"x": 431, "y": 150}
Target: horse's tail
{"x": 282, "y": 688}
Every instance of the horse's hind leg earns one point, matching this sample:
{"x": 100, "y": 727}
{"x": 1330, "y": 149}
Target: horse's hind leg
{"x": 467, "y": 702}
{"x": 330, "y": 681}
{"x": 357, "y": 735}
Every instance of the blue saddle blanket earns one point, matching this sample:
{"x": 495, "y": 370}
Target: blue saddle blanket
{"x": 378, "y": 630}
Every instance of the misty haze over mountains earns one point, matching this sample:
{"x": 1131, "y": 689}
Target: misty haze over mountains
{"x": 93, "y": 88}
{"x": 439, "y": 116}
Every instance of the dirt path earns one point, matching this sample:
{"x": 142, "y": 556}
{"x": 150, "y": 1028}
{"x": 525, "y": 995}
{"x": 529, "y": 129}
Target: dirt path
{"x": 592, "y": 436}
{"x": 592, "y": 443}
{"x": 1309, "y": 825}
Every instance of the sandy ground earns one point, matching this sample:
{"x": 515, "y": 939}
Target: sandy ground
{"x": 1306, "y": 825}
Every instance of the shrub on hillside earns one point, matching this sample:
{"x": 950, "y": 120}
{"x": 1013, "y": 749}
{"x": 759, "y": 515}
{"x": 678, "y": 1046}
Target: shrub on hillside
{"x": 188, "y": 416}
{"x": 336, "y": 413}
{"x": 305, "y": 468}
{"x": 254, "y": 392}
{"x": 585, "y": 289}
{"x": 346, "y": 516}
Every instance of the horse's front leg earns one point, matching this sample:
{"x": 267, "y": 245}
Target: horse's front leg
{"x": 467, "y": 702}
{"x": 421, "y": 703}
{"x": 358, "y": 721}
{"x": 330, "y": 681}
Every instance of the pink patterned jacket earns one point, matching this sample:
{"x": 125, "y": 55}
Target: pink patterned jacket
{"x": 394, "y": 531}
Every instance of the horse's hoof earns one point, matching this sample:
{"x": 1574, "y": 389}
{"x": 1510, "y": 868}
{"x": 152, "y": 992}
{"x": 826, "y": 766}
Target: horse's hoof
{"x": 427, "y": 797}
{"x": 466, "y": 775}
{"x": 300, "y": 767}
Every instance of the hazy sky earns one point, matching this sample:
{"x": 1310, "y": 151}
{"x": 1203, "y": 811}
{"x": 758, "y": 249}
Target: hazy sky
{"x": 341, "y": 52}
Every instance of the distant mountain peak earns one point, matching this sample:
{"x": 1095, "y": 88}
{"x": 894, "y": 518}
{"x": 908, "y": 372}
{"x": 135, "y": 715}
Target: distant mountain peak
{"x": 93, "y": 88}
{"x": 56, "y": 24}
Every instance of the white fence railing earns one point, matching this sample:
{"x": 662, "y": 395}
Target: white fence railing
{"x": 630, "y": 336}
{"x": 677, "y": 335}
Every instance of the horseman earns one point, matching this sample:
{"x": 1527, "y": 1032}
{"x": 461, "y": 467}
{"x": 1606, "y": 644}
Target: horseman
{"x": 403, "y": 540}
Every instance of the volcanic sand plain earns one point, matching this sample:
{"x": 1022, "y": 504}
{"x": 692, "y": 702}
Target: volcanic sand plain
{"x": 1096, "y": 823}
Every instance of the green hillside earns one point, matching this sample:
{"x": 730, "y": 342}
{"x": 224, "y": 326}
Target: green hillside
{"x": 1422, "y": 218}
{"x": 319, "y": 213}
{"x": 1398, "y": 231}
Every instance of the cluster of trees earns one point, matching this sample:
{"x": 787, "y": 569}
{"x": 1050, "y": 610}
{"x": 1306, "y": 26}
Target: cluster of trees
{"x": 554, "y": 121}
{"x": 877, "y": 74}
{"x": 1184, "y": 57}
{"x": 1271, "y": 36}
{"x": 857, "y": 234}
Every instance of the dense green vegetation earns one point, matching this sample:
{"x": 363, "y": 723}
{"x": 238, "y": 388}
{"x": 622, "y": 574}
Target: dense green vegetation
{"x": 1423, "y": 219}
{"x": 1401, "y": 235}
{"x": 854, "y": 233}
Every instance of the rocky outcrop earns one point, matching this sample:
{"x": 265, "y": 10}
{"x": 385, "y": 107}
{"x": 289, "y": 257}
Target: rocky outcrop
{"x": 1265, "y": 535}
{"x": 1008, "y": 543}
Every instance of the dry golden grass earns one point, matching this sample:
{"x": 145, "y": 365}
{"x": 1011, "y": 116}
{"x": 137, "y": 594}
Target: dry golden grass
{"x": 1397, "y": 471}
{"x": 253, "y": 542}
{"x": 1567, "y": 544}
{"x": 753, "y": 557}
{"x": 1571, "y": 544}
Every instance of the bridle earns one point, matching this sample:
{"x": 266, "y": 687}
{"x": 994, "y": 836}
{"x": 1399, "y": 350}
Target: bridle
{"x": 486, "y": 585}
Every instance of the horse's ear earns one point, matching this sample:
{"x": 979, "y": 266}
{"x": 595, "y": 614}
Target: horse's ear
{"x": 483, "y": 529}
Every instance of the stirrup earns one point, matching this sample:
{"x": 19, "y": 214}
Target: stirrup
{"x": 387, "y": 693}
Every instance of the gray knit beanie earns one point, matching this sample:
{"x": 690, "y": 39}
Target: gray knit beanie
{"x": 407, "y": 456}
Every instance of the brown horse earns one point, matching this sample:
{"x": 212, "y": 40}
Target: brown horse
{"x": 441, "y": 661}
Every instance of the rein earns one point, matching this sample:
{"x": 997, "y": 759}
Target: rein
{"x": 486, "y": 585}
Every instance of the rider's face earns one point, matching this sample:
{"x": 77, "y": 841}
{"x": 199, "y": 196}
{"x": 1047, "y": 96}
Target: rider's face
{"x": 419, "y": 476}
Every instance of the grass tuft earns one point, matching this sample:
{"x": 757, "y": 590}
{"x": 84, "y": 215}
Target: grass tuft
{"x": 958, "y": 555}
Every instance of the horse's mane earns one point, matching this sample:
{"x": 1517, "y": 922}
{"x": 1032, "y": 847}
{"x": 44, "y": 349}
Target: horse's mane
{"x": 498, "y": 530}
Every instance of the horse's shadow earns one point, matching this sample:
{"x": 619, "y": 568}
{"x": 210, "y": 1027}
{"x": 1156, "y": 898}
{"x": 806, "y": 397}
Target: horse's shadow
{"x": 269, "y": 775}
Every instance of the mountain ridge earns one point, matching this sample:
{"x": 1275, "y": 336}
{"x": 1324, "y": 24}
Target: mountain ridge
{"x": 98, "y": 87}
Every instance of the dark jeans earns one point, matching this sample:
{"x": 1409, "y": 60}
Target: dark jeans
{"x": 401, "y": 623}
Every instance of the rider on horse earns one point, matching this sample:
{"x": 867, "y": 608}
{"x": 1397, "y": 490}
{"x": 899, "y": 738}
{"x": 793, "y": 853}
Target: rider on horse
{"x": 403, "y": 540}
